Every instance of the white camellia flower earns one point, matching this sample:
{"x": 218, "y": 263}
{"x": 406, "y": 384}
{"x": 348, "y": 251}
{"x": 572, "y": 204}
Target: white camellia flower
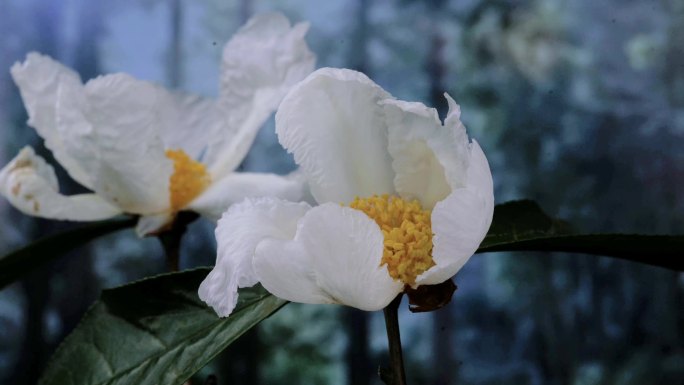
{"x": 403, "y": 200}
{"x": 149, "y": 151}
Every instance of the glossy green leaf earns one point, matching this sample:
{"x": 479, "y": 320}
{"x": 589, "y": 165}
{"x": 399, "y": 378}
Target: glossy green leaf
{"x": 17, "y": 263}
{"x": 523, "y": 226}
{"x": 154, "y": 331}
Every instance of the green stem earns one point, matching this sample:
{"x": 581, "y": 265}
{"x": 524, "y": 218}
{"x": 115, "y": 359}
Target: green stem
{"x": 391, "y": 313}
{"x": 171, "y": 238}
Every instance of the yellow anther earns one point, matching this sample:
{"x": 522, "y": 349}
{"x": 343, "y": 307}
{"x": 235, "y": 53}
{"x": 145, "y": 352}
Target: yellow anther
{"x": 189, "y": 179}
{"x": 407, "y": 231}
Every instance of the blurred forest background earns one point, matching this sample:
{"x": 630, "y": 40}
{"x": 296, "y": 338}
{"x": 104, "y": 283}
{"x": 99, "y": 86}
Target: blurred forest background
{"x": 578, "y": 105}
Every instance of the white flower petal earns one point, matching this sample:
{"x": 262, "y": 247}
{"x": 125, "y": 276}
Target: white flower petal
{"x": 285, "y": 269}
{"x": 39, "y": 78}
{"x": 187, "y": 122}
{"x": 461, "y": 221}
{"x": 334, "y": 258}
{"x": 112, "y": 127}
{"x": 30, "y": 185}
{"x": 236, "y": 187}
{"x": 239, "y": 231}
{"x": 260, "y": 64}
{"x": 149, "y": 224}
{"x": 430, "y": 159}
{"x": 333, "y": 125}
{"x": 480, "y": 176}
{"x": 299, "y": 176}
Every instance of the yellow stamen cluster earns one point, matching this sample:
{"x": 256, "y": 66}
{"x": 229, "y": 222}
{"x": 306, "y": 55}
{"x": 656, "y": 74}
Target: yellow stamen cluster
{"x": 407, "y": 231}
{"x": 189, "y": 179}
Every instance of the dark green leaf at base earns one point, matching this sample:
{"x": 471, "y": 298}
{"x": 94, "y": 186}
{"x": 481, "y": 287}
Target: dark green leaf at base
{"x": 155, "y": 331}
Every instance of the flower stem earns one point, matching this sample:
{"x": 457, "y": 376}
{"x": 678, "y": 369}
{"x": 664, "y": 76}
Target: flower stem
{"x": 396, "y": 372}
{"x": 171, "y": 238}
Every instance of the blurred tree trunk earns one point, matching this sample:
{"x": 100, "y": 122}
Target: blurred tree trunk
{"x": 33, "y": 354}
{"x": 358, "y": 56}
{"x": 90, "y": 23}
{"x": 175, "y": 55}
{"x": 10, "y": 29}
{"x": 674, "y": 54}
{"x": 360, "y": 369}
{"x": 246, "y": 10}
{"x": 10, "y": 32}
{"x": 445, "y": 369}
{"x": 239, "y": 364}
{"x": 357, "y": 357}
{"x": 557, "y": 347}
{"x": 436, "y": 68}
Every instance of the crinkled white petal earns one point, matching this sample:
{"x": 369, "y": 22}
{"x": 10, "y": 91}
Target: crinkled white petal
{"x": 261, "y": 62}
{"x": 334, "y": 258}
{"x": 235, "y": 187}
{"x": 333, "y": 125}
{"x": 238, "y": 232}
{"x": 30, "y": 185}
{"x": 112, "y": 127}
{"x": 430, "y": 159}
{"x": 461, "y": 221}
{"x": 39, "y": 79}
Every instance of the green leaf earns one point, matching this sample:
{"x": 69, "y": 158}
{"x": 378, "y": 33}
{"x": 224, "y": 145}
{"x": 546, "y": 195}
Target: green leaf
{"x": 523, "y": 226}
{"x": 154, "y": 331}
{"x": 522, "y": 219}
{"x": 19, "y": 262}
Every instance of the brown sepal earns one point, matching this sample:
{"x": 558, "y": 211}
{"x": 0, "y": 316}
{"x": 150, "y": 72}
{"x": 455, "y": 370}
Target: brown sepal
{"x": 430, "y": 297}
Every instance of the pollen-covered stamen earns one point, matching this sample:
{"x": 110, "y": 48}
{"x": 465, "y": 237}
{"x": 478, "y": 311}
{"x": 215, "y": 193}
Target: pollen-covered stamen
{"x": 189, "y": 179}
{"x": 407, "y": 230}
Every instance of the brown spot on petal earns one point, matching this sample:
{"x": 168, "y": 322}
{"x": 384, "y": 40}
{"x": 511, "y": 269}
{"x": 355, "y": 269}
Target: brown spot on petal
{"x": 36, "y": 206}
{"x": 16, "y": 188}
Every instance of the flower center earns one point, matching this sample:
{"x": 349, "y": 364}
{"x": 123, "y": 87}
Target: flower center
{"x": 407, "y": 231}
{"x": 189, "y": 179}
